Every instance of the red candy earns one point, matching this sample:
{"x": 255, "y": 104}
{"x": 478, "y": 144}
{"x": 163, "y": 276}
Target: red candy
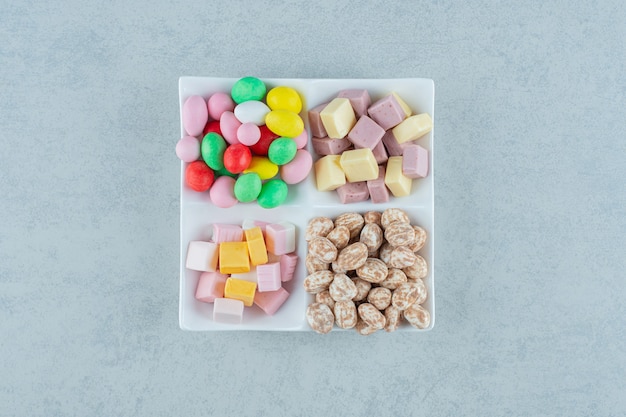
{"x": 198, "y": 176}
{"x": 212, "y": 126}
{"x": 237, "y": 157}
{"x": 267, "y": 137}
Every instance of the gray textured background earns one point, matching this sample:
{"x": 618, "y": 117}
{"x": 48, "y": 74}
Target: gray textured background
{"x": 530, "y": 210}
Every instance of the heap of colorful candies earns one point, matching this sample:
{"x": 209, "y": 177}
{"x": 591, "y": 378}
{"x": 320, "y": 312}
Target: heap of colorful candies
{"x": 252, "y": 144}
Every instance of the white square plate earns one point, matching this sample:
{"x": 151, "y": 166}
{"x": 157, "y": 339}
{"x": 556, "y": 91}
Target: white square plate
{"x": 303, "y": 203}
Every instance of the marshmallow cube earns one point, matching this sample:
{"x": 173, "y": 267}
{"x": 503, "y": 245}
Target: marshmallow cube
{"x": 387, "y": 112}
{"x": 280, "y": 238}
{"x": 227, "y": 233}
{"x": 366, "y": 133}
{"x": 315, "y": 121}
{"x": 246, "y": 276}
{"x": 398, "y": 183}
{"x": 328, "y": 173}
{"x": 227, "y": 311}
{"x": 238, "y": 289}
{"x": 288, "y": 264}
{"x": 256, "y": 246}
{"x": 359, "y": 99}
{"x": 327, "y": 146}
{"x": 413, "y": 128}
{"x": 268, "y": 277}
{"x": 391, "y": 144}
{"x": 234, "y": 257}
{"x": 271, "y": 301}
{"x": 359, "y": 165}
{"x": 210, "y": 286}
{"x": 202, "y": 256}
{"x": 377, "y": 188}
{"x": 250, "y": 223}
{"x": 353, "y": 192}
{"x": 380, "y": 154}
{"x": 415, "y": 162}
{"x": 338, "y": 118}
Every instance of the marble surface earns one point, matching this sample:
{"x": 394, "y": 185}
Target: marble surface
{"x": 530, "y": 210}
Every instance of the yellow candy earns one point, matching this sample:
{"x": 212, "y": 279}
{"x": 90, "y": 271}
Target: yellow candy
{"x": 256, "y": 246}
{"x": 284, "y": 98}
{"x": 284, "y": 123}
{"x": 395, "y": 180}
{"x": 359, "y": 165}
{"x": 263, "y": 167}
{"x": 413, "y": 128}
{"x": 238, "y": 289}
{"x": 234, "y": 257}
{"x": 338, "y": 118}
{"x": 328, "y": 173}
{"x": 405, "y": 107}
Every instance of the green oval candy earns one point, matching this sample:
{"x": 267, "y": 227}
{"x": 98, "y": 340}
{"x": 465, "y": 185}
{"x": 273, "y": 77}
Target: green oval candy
{"x": 212, "y": 149}
{"x": 273, "y": 194}
{"x": 248, "y": 187}
{"x": 282, "y": 150}
{"x": 248, "y": 88}
{"x": 222, "y": 172}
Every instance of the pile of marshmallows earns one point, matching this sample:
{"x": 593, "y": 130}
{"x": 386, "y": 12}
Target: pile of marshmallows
{"x": 368, "y": 157}
{"x": 244, "y": 265}
{"x": 245, "y": 143}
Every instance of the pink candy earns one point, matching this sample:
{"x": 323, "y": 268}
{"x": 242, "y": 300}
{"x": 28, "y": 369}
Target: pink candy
{"x": 219, "y": 103}
{"x": 297, "y": 170}
{"x": 248, "y": 134}
{"x": 195, "y": 115}
{"x": 229, "y": 126}
{"x": 188, "y": 149}
{"x": 222, "y": 192}
{"x": 210, "y": 286}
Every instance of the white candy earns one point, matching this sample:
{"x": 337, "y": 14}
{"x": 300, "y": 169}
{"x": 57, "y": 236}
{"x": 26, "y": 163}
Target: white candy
{"x": 252, "y": 112}
{"x": 247, "y": 276}
{"x": 226, "y": 310}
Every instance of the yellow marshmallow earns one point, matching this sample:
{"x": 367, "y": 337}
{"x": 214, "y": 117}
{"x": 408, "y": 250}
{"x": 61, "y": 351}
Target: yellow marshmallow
{"x": 395, "y": 180}
{"x": 359, "y": 165}
{"x": 338, "y": 118}
{"x": 328, "y": 173}
{"x": 256, "y": 246}
{"x": 413, "y": 127}
{"x": 234, "y": 257}
{"x": 238, "y": 289}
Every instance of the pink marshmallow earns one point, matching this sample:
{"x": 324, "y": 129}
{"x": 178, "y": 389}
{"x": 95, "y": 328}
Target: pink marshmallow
{"x": 227, "y": 310}
{"x": 353, "y": 192}
{"x": 327, "y": 146}
{"x": 391, "y": 144}
{"x": 268, "y": 277}
{"x": 288, "y": 263}
{"x": 227, "y": 233}
{"x": 415, "y": 162}
{"x": 202, "y": 256}
{"x": 315, "y": 121}
{"x": 359, "y": 99}
{"x": 377, "y": 188}
{"x": 210, "y": 286}
{"x": 280, "y": 238}
{"x": 366, "y": 133}
{"x": 387, "y": 112}
{"x": 271, "y": 301}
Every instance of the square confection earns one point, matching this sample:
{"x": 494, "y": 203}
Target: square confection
{"x": 328, "y": 173}
{"x": 353, "y": 192}
{"x": 377, "y": 188}
{"x": 202, "y": 256}
{"x": 288, "y": 264}
{"x": 228, "y": 311}
{"x": 210, "y": 286}
{"x": 338, "y": 118}
{"x": 415, "y": 162}
{"x": 234, "y": 257}
{"x": 359, "y": 165}
{"x": 315, "y": 121}
{"x": 359, "y": 99}
{"x": 366, "y": 133}
{"x": 227, "y": 233}
{"x": 398, "y": 183}
{"x": 268, "y": 277}
{"x": 327, "y": 146}
{"x": 413, "y": 128}
{"x": 280, "y": 238}
{"x": 271, "y": 301}
{"x": 391, "y": 144}
{"x": 387, "y": 112}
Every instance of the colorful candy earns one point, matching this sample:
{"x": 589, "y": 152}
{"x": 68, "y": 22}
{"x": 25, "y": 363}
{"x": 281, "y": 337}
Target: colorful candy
{"x": 237, "y": 158}
{"x": 282, "y": 150}
{"x": 273, "y": 193}
{"x": 198, "y": 176}
{"x": 248, "y": 139}
{"x": 248, "y": 274}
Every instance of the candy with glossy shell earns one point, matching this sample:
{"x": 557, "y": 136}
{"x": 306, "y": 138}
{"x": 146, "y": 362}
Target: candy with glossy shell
{"x": 237, "y": 158}
{"x": 284, "y": 98}
{"x": 218, "y": 103}
{"x": 229, "y": 126}
{"x": 188, "y": 149}
{"x": 298, "y": 168}
{"x": 248, "y": 88}
{"x": 222, "y": 192}
{"x": 198, "y": 176}
{"x": 284, "y": 123}
{"x": 273, "y": 193}
{"x": 247, "y": 187}
{"x": 195, "y": 115}
{"x": 251, "y": 111}
{"x": 212, "y": 149}
{"x": 282, "y": 151}
{"x": 248, "y": 134}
